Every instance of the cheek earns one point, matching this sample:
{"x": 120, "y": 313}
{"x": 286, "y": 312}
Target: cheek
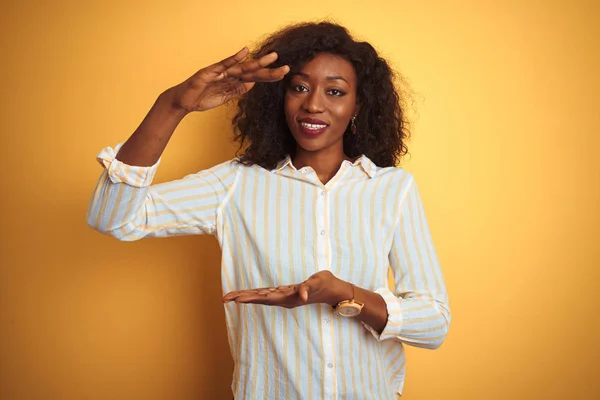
{"x": 343, "y": 110}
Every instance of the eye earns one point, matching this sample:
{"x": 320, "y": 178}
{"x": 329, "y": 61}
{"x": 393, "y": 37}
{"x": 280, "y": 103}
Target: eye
{"x": 299, "y": 88}
{"x": 337, "y": 92}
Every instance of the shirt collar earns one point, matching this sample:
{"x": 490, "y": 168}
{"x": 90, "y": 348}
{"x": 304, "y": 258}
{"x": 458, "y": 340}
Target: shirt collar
{"x": 363, "y": 161}
{"x": 283, "y": 163}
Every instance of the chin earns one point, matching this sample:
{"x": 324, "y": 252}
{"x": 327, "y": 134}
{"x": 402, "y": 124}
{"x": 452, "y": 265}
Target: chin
{"x": 311, "y": 145}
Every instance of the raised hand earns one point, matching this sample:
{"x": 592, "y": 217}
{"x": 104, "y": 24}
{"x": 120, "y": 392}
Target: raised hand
{"x": 224, "y": 81}
{"x": 322, "y": 287}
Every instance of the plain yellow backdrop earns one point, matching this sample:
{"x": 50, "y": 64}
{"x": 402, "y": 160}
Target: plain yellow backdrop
{"x": 505, "y": 143}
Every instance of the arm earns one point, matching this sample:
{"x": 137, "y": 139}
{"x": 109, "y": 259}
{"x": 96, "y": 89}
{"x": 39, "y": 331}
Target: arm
{"x": 145, "y": 146}
{"x": 417, "y": 311}
{"x": 125, "y": 206}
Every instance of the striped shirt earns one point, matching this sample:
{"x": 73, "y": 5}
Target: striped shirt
{"x": 278, "y": 227}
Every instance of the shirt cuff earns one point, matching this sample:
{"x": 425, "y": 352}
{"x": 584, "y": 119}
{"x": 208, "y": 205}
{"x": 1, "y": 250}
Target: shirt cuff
{"x": 119, "y": 172}
{"x": 394, "y": 322}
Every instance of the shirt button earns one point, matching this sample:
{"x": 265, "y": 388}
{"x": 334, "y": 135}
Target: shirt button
{"x": 330, "y": 365}
{"x": 322, "y": 231}
{"x": 327, "y": 319}
{"x": 322, "y": 193}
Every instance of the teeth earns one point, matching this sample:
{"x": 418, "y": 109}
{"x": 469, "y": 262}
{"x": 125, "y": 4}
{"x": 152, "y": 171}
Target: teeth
{"x": 312, "y": 126}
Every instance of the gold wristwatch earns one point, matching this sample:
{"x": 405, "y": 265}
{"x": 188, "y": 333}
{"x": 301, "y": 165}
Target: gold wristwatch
{"x": 349, "y": 308}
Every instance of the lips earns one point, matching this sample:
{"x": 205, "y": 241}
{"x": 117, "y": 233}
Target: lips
{"x": 313, "y": 121}
{"x": 312, "y": 126}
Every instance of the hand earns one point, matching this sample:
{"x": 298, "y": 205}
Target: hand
{"x": 322, "y": 287}
{"x": 221, "y": 82}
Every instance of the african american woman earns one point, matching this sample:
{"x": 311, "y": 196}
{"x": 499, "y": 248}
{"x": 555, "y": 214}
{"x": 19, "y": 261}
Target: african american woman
{"x": 310, "y": 215}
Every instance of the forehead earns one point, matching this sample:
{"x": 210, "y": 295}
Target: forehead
{"x": 327, "y": 64}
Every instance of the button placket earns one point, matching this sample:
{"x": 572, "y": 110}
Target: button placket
{"x": 330, "y": 384}
{"x": 321, "y": 215}
{"x": 323, "y": 237}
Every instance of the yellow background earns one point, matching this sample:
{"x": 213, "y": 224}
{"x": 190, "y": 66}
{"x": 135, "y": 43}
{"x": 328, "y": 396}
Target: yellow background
{"x": 505, "y": 143}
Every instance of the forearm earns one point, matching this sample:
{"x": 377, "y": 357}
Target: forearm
{"x": 374, "y": 312}
{"x": 420, "y": 321}
{"x": 145, "y": 146}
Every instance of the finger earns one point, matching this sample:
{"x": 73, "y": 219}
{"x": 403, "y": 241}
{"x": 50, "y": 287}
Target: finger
{"x": 263, "y": 75}
{"x": 255, "y": 298}
{"x": 285, "y": 287}
{"x": 248, "y": 292}
{"x": 223, "y": 65}
{"x": 303, "y": 292}
{"x": 280, "y": 296}
{"x": 255, "y": 65}
{"x": 230, "y": 296}
{"x": 233, "y": 295}
{"x": 238, "y": 69}
{"x": 256, "y": 70}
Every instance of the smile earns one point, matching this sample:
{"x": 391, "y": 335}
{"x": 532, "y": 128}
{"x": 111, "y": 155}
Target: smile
{"x": 313, "y": 127}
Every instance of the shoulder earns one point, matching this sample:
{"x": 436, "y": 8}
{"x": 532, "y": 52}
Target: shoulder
{"x": 233, "y": 170}
{"x": 224, "y": 173}
{"x": 229, "y": 167}
{"x": 397, "y": 175}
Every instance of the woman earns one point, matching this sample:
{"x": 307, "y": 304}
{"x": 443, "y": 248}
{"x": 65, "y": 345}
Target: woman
{"x": 309, "y": 217}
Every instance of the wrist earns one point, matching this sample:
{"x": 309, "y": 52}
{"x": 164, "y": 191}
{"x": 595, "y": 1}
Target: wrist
{"x": 341, "y": 291}
{"x": 167, "y": 102}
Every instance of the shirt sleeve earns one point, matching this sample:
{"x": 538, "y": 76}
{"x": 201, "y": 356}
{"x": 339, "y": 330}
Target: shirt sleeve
{"x": 127, "y": 206}
{"x": 418, "y": 311}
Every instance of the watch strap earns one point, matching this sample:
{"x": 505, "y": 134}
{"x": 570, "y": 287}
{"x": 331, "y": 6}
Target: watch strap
{"x": 356, "y": 300}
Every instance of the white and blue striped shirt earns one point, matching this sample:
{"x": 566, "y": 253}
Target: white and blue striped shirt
{"x": 279, "y": 227}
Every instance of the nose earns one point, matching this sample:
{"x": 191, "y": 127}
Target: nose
{"x": 314, "y": 103}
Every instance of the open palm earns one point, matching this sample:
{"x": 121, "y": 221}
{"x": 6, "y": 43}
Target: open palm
{"x": 226, "y": 80}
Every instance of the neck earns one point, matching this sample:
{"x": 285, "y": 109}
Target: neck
{"x": 325, "y": 162}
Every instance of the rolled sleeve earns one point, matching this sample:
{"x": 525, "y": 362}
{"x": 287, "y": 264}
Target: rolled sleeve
{"x": 128, "y": 206}
{"x": 119, "y": 172}
{"x": 393, "y": 325}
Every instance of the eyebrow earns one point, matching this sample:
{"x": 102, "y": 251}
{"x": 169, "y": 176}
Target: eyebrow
{"x": 329, "y": 78}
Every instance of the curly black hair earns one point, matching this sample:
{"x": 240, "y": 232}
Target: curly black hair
{"x": 260, "y": 125}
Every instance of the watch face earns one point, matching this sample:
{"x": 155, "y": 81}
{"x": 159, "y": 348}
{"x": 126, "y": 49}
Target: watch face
{"x": 349, "y": 311}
